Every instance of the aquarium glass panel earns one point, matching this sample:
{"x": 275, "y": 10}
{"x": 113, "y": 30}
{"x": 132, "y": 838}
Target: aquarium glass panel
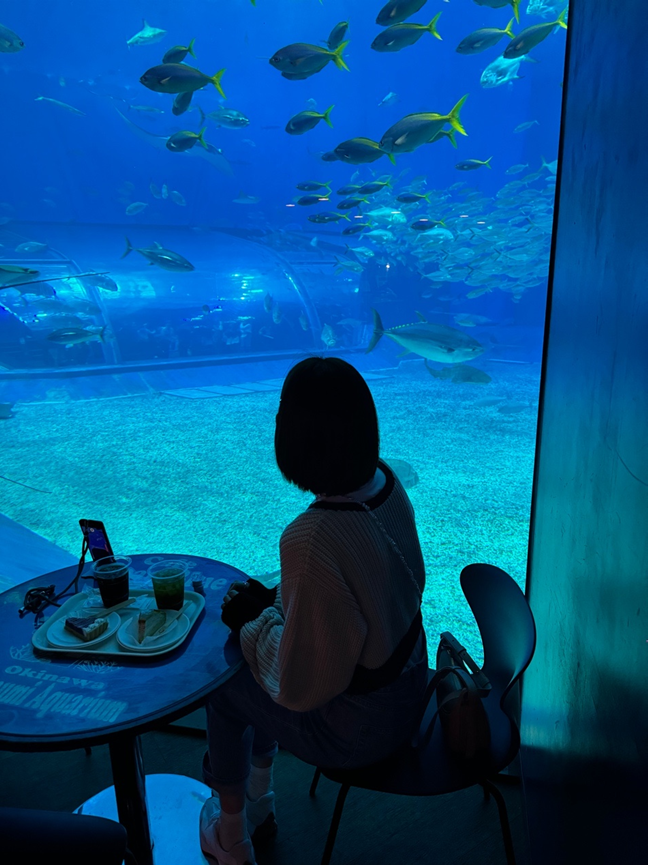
{"x": 198, "y": 195}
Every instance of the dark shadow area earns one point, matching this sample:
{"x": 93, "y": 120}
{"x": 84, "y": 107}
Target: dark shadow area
{"x": 457, "y": 829}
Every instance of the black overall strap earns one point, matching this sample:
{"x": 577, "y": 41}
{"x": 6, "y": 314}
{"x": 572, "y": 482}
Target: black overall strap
{"x": 365, "y": 681}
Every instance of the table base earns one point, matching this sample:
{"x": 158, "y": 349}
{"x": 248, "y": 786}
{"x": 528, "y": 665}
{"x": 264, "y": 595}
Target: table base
{"x": 174, "y": 803}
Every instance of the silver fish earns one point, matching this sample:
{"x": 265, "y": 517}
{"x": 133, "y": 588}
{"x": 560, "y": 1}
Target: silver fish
{"x": 502, "y": 70}
{"x": 104, "y": 281}
{"x": 136, "y": 207}
{"x": 461, "y": 373}
{"x": 227, "y": 117}
{"x": 162, "y": 257}
{"x": 31, "y": 246}
{"x": 328, "y": 336}
{"x": 75, "y": 335}
{"x": 146, "y": 109}
{"x": 432, "y": 341}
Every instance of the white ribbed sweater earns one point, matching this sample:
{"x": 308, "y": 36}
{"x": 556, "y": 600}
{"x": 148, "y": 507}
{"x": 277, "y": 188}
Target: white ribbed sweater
{"x": 345, "y": 598}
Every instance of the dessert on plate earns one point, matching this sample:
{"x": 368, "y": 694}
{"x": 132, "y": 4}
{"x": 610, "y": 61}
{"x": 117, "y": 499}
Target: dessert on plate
{"x": 87, "y": 627}
{"x": 151, "y": 623}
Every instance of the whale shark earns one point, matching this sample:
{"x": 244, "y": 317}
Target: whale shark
{"x": 211, "y": 154}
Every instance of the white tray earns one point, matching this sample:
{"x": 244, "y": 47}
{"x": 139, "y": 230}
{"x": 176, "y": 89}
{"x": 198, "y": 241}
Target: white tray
{"x": 111, "y": 648}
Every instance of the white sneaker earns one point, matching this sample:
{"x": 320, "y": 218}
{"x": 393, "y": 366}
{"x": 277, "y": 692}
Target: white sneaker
{"x": 240, "y": 854}
{"x": 261, "y": 818}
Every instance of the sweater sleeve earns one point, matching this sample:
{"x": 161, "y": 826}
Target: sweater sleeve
{"x": 308, "y": 656}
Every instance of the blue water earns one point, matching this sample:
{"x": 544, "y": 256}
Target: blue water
{"x": 88, "y": 159}
{"x": 266, "y": 281}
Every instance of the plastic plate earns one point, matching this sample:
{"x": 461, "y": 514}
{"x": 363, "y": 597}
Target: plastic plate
{"x": 127, "y": 636}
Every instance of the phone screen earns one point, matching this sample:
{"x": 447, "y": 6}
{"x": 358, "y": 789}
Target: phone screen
{"x": 98, "y": 542}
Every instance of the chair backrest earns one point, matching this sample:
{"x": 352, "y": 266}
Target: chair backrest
{"x": 28, "y": 835}
{"x": 505, "y": 623}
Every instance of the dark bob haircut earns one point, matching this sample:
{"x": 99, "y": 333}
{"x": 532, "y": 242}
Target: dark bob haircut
{"x": 326, "y": 437}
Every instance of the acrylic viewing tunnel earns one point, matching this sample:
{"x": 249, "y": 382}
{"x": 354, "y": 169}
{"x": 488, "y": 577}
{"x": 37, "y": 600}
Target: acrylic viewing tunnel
{"x": 240, "y": 298}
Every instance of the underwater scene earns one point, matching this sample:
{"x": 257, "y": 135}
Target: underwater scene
{"x": 197, "y": 196}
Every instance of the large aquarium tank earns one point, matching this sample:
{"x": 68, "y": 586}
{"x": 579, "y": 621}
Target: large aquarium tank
{"x": 198, "y": 195}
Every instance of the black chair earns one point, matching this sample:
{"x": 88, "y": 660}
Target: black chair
{"x": 508, "y": 636}
{"x": 29, "y": 836}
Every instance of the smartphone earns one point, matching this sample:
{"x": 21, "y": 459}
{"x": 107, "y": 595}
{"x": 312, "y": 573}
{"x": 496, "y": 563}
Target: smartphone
{"x": 97, "y": 537}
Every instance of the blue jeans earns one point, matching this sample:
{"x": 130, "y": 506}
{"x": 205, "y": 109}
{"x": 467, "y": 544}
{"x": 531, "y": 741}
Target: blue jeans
{"x": 348, "y": 731}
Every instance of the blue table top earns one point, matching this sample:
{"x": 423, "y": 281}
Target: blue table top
{"x": 50, "y": 703}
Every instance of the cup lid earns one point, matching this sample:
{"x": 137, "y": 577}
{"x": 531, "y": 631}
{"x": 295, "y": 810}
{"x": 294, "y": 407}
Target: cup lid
{"x": 111, "y": 563}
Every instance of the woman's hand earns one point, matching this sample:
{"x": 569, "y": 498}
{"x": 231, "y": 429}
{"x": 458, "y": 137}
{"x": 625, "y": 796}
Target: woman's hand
{"x": 239, "y": 606}
{"x": 233, "y": 590}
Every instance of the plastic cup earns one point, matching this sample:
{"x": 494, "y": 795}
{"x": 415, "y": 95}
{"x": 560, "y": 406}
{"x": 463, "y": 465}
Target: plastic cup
{"x": 112, "y": 576}
{"x": 168, "y": 580}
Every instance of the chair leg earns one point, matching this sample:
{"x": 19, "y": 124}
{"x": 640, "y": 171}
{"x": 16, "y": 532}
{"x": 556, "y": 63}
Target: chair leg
{"x": 504, "y": 821}
{"x": 314, "y": 783}
{"x": 335, "y": 822}
{"x": 486, "y": 793}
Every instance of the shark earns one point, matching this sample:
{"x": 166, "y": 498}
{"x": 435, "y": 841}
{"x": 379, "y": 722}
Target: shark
{"x": 147, "y": 35}
{"x": 212, "y": 154}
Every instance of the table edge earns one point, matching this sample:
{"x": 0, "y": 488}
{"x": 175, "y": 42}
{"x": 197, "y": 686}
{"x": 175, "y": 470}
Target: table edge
{"x": 72, "y": 741}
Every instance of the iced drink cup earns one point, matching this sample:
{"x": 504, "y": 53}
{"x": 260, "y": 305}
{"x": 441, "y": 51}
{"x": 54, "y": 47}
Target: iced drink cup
{"x": 168, "y": 580}
{"x": 112, "y": 576}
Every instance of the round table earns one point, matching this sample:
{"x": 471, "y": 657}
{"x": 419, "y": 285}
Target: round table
{"x": 61, "y": 703}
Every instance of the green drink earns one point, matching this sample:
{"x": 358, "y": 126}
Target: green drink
{"x": 168, "y": 580}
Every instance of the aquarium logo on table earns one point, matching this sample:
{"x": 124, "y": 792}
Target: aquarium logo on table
{"x": 61, "y": 702}
{"x": 52, "y": 677}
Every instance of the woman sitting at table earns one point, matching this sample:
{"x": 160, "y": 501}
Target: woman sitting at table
{"x": 336, "y": 653}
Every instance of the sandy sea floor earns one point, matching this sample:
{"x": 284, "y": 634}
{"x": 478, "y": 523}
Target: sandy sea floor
{"x": 168, "y": 474}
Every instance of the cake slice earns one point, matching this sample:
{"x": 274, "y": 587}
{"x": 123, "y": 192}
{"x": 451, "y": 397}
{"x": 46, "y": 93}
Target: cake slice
{"x": 88, "y": 628}
{"x": 150, "y": 623}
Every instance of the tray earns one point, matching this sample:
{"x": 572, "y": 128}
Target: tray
{"x": 111, "y": 647}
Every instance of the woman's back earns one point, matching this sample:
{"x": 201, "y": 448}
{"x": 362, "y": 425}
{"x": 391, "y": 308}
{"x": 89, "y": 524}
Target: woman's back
{"x": 338, "y": 548}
